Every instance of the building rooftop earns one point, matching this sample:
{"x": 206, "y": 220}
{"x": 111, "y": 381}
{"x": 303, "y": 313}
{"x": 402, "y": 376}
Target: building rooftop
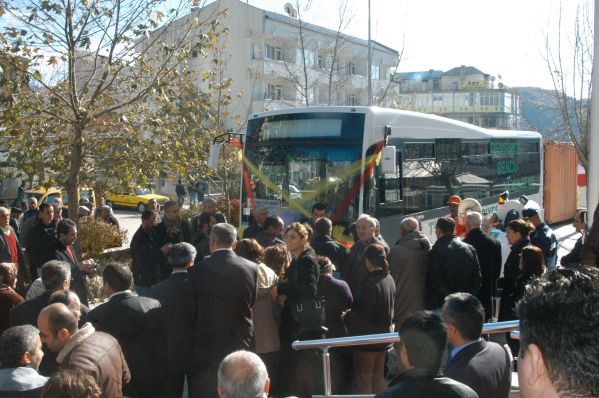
{"x": 325, "y": 31}
{"x": 466, "y": 70}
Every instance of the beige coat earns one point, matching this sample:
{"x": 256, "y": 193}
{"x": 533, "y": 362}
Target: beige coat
{"x": 266, "y": 330}
{"x": 407, "y": 264}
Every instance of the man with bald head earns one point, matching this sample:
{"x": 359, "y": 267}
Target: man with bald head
{"x": 257, "y": 225}
{"x": 95, "y": 353}
{"x": 242, "y": 374}
{"x": 355, "y": 270}
{"x": 408, "y": 265}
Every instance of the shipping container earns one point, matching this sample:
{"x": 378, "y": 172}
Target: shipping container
{"x": 560, "y": 181}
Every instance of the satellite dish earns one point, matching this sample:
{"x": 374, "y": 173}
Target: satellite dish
{"x": 290, "y": 10}
{"x": 469, "y": 204}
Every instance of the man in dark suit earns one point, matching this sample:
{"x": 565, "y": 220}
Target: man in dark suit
{"x": 423, "y": 337}
{"x": 324, "y": 245}
{"x": 41, "y": 240}
{"x": 225, "y": 289}
{"x": 176, "y": 298}
{"x": 66, "y": 234}
{"x": 138, "y": 325}
{"x": 56, "y": 276}
{"x": 483, "y": 366}
{"x": 488, "y": 251}
{"x": 149, "y": 261}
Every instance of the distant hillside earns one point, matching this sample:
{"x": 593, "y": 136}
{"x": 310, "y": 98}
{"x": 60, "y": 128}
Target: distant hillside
{"x": 540, "y": 112}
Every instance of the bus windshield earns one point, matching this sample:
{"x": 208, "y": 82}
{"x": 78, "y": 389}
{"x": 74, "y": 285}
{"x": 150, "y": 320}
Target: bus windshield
{"x": 291, "y": 163}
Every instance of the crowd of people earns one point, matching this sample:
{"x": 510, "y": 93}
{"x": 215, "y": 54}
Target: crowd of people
{"x": 204, "y": 310}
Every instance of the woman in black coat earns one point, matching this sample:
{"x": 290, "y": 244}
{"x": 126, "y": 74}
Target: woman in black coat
{"x": 371, "y": 313}
{"x": 518, "y": 232}
{"x": 299, "y": 283}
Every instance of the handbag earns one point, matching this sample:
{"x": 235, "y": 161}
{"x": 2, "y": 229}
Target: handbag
{"x": 309, "y": 315}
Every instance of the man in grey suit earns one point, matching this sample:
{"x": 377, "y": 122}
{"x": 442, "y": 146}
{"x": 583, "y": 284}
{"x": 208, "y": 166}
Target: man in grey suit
{"x": 483, "y": 366}
{"x": 225, "y": 289}
{"x": 176, "y": 298}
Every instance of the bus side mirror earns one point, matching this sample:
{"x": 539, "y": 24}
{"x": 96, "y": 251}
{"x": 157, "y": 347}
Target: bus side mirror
{"x": 389, "y": 160}
{"x": 213, "y": 157}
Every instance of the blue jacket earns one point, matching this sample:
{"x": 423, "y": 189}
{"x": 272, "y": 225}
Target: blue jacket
{"x": 18, "y": 380}
{"x": 544, "y": 238}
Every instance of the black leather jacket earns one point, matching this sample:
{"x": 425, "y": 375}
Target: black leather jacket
{"x": 452, "y": 267}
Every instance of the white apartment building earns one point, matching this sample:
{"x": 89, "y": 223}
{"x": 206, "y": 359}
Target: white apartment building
{"x": 463, "y": 93}
{"x": 279, "y": 61}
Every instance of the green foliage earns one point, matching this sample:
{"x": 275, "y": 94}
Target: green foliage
{"x": 111, "y": 96}
{"x": 96, "y": 236}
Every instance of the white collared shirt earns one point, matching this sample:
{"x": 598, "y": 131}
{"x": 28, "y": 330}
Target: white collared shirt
{"x": 222, "y": 248}
{"x": 117, "y": 293}
{"x": 179, "y": 271}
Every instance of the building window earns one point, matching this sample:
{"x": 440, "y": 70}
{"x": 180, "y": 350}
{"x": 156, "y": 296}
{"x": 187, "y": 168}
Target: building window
{"x": 273, "y": 52}
{"x": 320, "y": 62}
{"x": 350, "y": 68}
{"x": 194, "y": 53}
{"x": 273, "y": 92}
{"x": 376, "y": 71}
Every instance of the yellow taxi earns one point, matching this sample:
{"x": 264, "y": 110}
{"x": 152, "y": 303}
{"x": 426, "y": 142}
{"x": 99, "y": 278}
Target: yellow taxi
{"x": 138, "y": 199}
{"x": 49, "y": 194}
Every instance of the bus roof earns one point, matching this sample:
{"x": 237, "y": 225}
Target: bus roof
{"x": 409, "y": 124}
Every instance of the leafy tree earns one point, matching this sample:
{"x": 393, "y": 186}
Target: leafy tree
{"x": 109, "y": 94}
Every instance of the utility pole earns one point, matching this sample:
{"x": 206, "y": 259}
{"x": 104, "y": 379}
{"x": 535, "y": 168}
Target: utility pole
{"x": 593, "y": 171}
{"x": 370, "y": 60}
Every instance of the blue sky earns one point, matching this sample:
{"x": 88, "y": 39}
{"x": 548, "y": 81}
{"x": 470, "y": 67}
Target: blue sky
{"x": 505, "y": 37}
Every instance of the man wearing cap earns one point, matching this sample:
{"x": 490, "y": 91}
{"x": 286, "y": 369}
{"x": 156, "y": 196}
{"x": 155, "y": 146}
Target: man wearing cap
{"x": 542, "y": 237}
{"x": 454, "y": 202}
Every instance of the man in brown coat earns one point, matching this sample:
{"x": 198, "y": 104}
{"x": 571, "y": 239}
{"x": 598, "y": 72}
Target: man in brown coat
{"x": 96, "y": 353}
{"x": 407, "y": 265}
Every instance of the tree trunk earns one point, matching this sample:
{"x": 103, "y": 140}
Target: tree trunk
{"x": 72, "y": 181}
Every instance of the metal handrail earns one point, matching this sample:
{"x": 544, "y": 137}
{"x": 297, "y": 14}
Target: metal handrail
{"x": 386, "y": 338}
{"x": 382, "y": 338}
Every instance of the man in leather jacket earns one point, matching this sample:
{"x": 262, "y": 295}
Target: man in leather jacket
{"x": 452, "y": 266}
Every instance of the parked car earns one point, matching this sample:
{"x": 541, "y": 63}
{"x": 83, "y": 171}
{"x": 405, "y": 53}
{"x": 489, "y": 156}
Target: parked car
{"x": 49, "y": 194}
{"x": 138, "y": 199}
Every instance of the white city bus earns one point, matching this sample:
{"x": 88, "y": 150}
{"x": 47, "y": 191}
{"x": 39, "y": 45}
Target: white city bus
{"x": 296, "y": 157}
